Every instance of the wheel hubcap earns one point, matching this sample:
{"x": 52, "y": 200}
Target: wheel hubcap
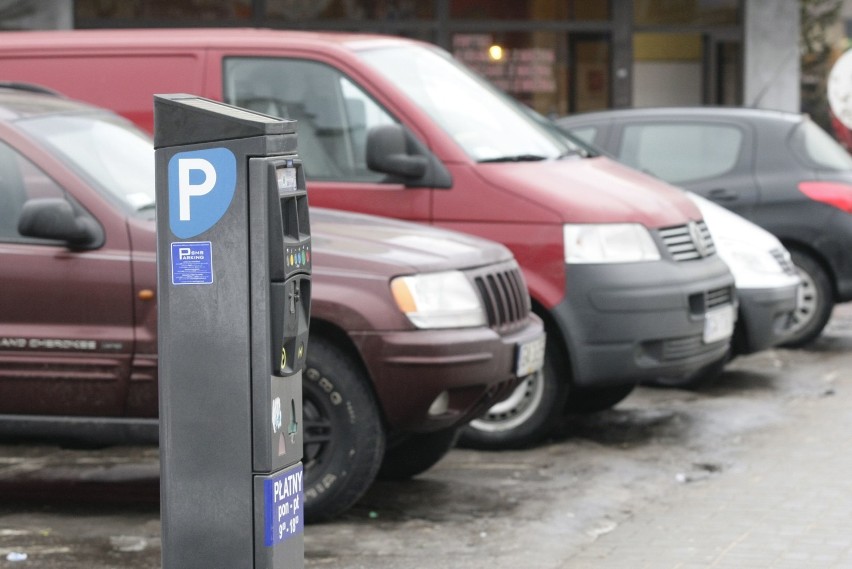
{"x": 516, "y": 409}
{"x": 806, "y": 305}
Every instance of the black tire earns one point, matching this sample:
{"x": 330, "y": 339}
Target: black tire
{"x": 344, "y": 440}
{"x": 816, "y": 301}
{"x": 523, "y": 419}
{"x": 416, "y": 454}
{"x": 586, "y": 400}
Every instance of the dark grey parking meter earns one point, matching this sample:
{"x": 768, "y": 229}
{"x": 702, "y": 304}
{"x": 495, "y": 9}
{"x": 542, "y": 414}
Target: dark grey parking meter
{"x": 234, "y": 266}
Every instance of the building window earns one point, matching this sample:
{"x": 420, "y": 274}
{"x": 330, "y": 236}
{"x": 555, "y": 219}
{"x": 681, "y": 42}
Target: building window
{"x": 528, "y": 65}
{"x": 690, "y": 12}
{"x": 357, "y": 10}
{"x": 162, "y": 11}
{"x": 552, "y": 72}
{"x": 535, "y": 10}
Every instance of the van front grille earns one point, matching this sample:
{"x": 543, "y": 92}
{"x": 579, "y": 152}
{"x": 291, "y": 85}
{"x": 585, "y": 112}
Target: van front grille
{"x": 719, "y": 297}
{"x": 688, "y": 242}
{"x": 505, "y": 298}
{"x": 701, "y": 302}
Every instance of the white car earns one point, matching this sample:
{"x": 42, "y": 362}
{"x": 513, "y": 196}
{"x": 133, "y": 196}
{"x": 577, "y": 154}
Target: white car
{"x": 767, "y": 281}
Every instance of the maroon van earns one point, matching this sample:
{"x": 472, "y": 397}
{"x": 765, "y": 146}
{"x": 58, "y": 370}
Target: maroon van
{"x": 620, "y": 267}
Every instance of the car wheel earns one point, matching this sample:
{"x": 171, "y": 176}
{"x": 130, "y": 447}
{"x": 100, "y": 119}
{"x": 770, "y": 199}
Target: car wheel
{"x": 417, "y": 453}
{"x": 815, "y": 303}
{"x": 592, "y": 400}
{"x": 527, "y": 416}
{"x": 344, "y": 440}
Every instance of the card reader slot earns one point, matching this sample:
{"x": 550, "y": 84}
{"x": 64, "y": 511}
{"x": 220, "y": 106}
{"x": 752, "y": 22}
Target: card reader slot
{"x": 290, "y": 306}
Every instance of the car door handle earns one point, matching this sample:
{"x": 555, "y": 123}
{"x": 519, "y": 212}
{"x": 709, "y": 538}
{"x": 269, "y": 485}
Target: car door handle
{"x": 723, "y": 195}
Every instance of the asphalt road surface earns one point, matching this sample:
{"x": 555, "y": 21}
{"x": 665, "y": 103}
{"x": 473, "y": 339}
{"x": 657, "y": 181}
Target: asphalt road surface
{"x": 629, "y": 487}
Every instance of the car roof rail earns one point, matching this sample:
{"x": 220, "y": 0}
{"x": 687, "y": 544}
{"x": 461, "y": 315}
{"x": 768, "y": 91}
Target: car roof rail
{"x": 29, "y": 88}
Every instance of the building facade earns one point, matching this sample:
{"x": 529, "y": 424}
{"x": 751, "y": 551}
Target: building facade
{"x": 558, "y": 56}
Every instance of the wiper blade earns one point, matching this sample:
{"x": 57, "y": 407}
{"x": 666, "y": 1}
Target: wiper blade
{"x": 516, "y": 158}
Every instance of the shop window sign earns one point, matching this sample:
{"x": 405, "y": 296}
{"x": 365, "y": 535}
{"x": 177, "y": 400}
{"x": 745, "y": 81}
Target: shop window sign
{"x": 527, "y": 70}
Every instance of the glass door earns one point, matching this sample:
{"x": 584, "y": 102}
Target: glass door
{"x": 724, "y": 77}
{"x": 589, "y": 72}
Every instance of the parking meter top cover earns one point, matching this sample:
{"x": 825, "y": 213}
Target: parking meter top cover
{"x": 194, "y": 128}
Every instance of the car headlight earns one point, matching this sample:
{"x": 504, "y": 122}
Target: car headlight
{"x": 756, "y": 266}
{"x": 609, "y": 243}
{"x": 438, "y": 300}
{"x": 744, "y": 260}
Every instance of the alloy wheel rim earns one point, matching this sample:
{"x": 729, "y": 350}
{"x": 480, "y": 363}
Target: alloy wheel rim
{"x": 806, "y": 303}
{"x": 516, "y": 409}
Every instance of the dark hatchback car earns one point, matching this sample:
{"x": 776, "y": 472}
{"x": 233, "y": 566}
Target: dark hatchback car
{"x": 414, "y": 332}
{"x": 779, "y": 170}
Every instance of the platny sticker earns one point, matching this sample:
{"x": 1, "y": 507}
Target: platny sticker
{"x": 201, "y": 186}
{"x": 284, "y": 496}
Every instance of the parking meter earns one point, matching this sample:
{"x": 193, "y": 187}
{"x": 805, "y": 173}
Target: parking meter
{"x": 234, "y": 266}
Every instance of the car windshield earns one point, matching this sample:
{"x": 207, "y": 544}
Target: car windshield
{"x": 486, "y": 123}
{"x": 820, "y": 148}
{"x": 105, "y": 149}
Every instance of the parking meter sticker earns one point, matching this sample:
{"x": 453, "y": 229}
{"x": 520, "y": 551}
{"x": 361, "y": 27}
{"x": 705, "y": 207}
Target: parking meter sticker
{"x": 201, "y": 186}
{"x": 286, "y": 178}
{"x": 192, "y": 263}
{"x": 276, "y": 415}
{"x": 284, "y": 498}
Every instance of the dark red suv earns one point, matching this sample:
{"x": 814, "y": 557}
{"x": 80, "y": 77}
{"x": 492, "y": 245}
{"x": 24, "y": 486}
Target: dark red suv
{"x": 415, "y": 331}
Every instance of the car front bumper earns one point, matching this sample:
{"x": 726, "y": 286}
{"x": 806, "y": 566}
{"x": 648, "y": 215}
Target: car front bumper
{"x": 411, "y": 369}
{"x": 766, "y": 315}
{"x": 630, "y": 322}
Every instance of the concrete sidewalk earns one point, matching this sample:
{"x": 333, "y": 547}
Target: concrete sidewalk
{"x": 779, "y": 506}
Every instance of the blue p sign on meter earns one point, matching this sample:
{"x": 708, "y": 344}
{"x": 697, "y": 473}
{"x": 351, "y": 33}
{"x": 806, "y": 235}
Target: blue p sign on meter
{"x": 201, "y": 187}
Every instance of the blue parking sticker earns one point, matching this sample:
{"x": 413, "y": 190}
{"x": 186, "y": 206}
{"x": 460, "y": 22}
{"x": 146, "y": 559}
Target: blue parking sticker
{"x": 201, "y": 187}
{"x": 192, "y": 263}
{"x": 284, "y": 498}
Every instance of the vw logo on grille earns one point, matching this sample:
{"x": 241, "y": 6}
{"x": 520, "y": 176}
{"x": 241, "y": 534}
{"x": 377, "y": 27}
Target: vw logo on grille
{"x": 698, "y": 239}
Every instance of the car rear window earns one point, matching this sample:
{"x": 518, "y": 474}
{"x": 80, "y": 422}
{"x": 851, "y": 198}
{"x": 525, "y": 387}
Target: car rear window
{"x": 681, "y": 152}
{"x": 818, "y": 148}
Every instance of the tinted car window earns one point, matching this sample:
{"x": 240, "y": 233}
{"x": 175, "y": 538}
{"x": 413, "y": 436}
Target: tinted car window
{"x": 817, "y": 147}
{"x": 681, "y": 152}
{"x": 333, "y": 114}
{"x": 20, "y": 181}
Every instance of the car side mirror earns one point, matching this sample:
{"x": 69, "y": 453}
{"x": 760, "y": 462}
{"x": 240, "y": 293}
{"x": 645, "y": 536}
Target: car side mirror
{"x": 55, "y": 218}
{"x": 387, "y": 152}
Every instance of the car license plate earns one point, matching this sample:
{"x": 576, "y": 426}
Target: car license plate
{"x": 719, "y": 324}
{"x": 530, "y": 357}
